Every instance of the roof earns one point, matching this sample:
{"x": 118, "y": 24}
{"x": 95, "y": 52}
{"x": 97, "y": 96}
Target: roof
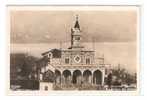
{"x": 56, "y": 53}
{"x": 77, "y": 23}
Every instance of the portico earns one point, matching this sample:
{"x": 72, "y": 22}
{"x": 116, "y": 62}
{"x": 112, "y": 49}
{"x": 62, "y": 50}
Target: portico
{"x": 77, "y": 75}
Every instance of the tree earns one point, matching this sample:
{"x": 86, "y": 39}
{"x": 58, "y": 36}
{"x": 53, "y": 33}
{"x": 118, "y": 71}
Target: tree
{"x": 109, "y": 80}
{"x": 123, "y": 76}
{"x": 21, "y": 65}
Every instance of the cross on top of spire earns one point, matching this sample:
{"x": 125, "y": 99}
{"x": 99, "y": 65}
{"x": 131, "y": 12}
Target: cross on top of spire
{"x": 77, "y": 23}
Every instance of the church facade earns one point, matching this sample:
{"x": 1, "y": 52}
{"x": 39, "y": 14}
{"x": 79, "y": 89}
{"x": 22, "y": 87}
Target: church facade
{"x": 74, "y": 67}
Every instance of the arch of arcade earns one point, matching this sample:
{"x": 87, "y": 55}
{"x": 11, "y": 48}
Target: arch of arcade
{"x": 78, "y": 76}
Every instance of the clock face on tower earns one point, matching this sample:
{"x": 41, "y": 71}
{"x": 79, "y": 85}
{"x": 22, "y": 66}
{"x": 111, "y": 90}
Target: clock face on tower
{"x": 77, "y": 59}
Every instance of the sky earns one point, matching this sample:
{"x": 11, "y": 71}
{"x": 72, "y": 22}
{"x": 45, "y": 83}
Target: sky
{"x": 114, "y": 32}
{"x": 55, "y": 26}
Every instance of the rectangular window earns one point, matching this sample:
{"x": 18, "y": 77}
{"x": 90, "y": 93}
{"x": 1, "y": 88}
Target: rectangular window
{"x": 87, "y": 60}
{"x": 67, "y": 60}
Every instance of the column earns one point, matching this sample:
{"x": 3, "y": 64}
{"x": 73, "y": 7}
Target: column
{"x": 89, "y": 79}
{"x": 62, "y": 80}
{"x": 71, "y": 77}
{"x": 92, "y": 79}
{"x": 103, "y": 76}
{"x": 92, "y": 71}
{"x": 41, "y": 77}
{"x": 82, "y": 78}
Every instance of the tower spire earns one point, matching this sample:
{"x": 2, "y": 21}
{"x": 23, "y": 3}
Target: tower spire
{"x": 76, "y": 36}
{"x": 77, "y": 23}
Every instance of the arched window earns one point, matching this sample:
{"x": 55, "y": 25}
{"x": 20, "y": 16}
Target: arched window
{"x": 49, "y": 55}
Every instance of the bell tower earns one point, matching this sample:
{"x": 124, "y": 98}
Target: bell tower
{"x": 76, "y": 36}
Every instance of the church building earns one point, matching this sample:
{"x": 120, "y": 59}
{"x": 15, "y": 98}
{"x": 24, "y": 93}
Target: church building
{"x": 71, "y": 68}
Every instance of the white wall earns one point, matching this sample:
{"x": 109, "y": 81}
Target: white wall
{"x": 46, "y": 84}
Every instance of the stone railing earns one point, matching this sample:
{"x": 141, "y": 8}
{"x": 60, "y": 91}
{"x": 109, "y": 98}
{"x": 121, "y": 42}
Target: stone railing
{"x": 79, "y": 66}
